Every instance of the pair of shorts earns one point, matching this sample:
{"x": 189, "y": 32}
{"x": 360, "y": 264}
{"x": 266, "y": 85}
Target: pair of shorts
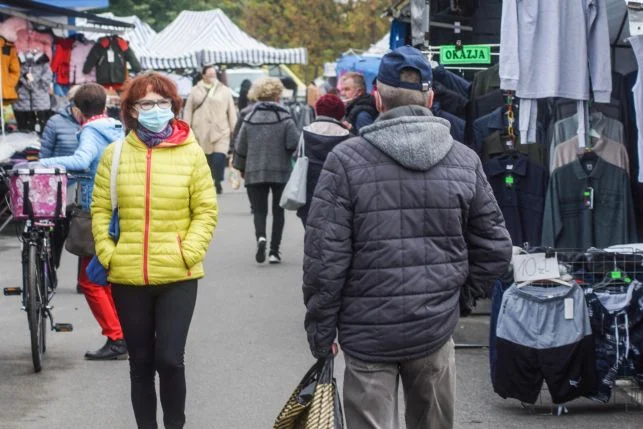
{"x": 544, "y": 333}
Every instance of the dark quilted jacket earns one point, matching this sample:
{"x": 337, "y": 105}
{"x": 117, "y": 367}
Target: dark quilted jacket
{"x": 400, "y": 219}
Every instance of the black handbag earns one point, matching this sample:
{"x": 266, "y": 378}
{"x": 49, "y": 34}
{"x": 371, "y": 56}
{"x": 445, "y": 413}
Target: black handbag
{"x": 80, "y": 240}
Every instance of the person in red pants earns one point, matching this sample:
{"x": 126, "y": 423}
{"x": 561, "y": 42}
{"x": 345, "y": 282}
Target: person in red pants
{"x": 96, "y": 133}
{"x": 101, "y": 304}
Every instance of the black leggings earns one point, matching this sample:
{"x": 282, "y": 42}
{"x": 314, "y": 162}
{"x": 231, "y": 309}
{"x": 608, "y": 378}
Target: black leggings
{"x": 155, "y": 322}
{"x": 216, "y": 161}
{"x": 258, "y": 195}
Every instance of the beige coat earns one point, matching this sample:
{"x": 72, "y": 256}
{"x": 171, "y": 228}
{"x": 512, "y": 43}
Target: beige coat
{"x": 215, "y": 119}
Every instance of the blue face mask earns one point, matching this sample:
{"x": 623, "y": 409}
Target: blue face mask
{"x": 155, "y": 119}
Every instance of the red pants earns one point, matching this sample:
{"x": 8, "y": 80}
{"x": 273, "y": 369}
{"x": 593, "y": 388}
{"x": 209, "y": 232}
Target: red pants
{"x": 101, "y": 303}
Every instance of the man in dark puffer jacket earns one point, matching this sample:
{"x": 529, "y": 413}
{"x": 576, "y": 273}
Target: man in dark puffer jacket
{"x": 401, "y": 217}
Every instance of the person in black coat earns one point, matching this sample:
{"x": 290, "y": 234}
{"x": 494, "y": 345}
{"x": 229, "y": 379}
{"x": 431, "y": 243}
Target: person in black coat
{"x": 319, "y": 138}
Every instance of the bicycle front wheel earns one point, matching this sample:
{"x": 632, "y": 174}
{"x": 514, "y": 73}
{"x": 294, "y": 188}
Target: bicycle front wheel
{"x": 34, "y": 309}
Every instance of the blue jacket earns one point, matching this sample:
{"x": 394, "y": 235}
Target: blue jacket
{"x": 60, "y": 137}
{"x": 94, "y": 138}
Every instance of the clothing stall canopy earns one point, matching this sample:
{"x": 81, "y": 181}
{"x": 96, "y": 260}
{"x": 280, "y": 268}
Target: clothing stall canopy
{"x": 78, "y": 4}
{"x": 45, "y": 14}
{"x": 195, "y": 39}
{"x": 137, "y": 36}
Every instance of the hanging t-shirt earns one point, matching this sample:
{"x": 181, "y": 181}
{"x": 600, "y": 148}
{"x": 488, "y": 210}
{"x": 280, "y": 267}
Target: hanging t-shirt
{"x": 637, "y": 90}
{"x": 544, "y": 44}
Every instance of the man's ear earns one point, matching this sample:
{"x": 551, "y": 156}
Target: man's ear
{"x": 378, "y": 102}
{"x": 429, "y": 99}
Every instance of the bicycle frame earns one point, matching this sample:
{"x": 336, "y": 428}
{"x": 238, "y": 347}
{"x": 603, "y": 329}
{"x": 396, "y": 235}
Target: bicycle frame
{"x": 38, "y": 234}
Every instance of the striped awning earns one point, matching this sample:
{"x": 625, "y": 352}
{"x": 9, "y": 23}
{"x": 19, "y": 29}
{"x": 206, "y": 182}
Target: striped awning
{"x": 195, "y": 39}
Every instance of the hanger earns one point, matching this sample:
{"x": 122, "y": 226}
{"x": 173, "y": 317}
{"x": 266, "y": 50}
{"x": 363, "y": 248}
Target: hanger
{"x": 557, "y": 281}
{"x": 616, "y": 277}
{"x": 588, "y": 155}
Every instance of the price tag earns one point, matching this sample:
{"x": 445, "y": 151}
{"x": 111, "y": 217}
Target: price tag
{"x": 569, "y": 308}
{"x": 509, "y": 180}
{"x": 110, "y": 56}
{"x": 588, "y": 198}
{"x": 535, "y": 266}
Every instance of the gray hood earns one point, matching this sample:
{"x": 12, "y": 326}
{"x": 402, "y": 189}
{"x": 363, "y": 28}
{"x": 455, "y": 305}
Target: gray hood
{"x": 325, "y": 126}
{"x": 412, "y": 136}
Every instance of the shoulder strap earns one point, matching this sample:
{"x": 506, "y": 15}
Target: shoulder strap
{"x": 209, "y": 93}
{"x": 116, "y": 159}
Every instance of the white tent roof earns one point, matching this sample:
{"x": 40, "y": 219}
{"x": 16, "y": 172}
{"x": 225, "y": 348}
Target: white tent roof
{"x": 137, "y": 36}
{"x": 381, "y": 47}
{"x": 194, "y": 39}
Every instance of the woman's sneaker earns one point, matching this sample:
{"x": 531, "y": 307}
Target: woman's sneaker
{"x": 274, "y": 257}
{"x": 261, "y": 250}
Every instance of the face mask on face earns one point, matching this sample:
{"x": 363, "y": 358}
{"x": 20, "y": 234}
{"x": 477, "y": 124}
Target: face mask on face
{"x": 155, "y": 119}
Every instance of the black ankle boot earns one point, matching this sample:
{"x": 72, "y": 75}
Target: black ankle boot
{"x": 112, "y": 350}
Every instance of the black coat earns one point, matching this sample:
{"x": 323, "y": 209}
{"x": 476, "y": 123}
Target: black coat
{"x": 400, "y": 219}
{"x": 110, "y": 56}
{"x": 317, "y": 146}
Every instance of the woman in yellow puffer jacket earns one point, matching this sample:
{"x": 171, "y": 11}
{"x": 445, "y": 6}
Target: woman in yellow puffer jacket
{"x": 168, "y": 213}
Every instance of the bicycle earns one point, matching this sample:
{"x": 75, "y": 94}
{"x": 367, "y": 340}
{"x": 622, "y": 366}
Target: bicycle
{"x": 39, "y": 280}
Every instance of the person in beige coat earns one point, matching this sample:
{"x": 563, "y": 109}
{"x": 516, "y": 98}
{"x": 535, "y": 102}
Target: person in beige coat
{"x": 211, "y": 113}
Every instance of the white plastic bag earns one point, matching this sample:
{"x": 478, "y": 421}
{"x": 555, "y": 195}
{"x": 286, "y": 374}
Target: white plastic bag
{"x": 294, "y": 195}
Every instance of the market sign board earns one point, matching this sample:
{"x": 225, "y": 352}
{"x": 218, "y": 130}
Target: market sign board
{"x": 467, "y": 54}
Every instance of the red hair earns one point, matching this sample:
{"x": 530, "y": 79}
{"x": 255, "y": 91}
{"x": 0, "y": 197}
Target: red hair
{"x": 138, "y": 87}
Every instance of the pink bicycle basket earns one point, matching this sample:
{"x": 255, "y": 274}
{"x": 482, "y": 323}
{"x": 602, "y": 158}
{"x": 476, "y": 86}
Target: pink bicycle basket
{"x": 38, "y": 193}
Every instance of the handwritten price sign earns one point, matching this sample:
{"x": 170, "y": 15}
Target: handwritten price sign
{"x": 535, "y": 267}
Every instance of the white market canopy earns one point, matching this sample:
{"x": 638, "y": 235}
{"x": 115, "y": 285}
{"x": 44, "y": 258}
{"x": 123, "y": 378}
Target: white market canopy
{"x": 195, "y": 39}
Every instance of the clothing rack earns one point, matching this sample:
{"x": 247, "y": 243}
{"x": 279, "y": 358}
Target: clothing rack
{"x": 615, "y": 270}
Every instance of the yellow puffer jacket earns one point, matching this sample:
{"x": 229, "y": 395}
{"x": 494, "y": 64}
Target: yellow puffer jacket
{"x": 167, "y": 206}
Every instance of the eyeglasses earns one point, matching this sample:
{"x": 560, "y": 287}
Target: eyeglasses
{"x": 149, "y": 104}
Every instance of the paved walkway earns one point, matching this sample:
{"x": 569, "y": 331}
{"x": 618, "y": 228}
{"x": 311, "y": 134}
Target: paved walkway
{"x": 246, "y": 351}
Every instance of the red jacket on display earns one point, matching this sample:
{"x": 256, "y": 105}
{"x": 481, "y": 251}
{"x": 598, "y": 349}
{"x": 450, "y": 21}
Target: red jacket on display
{"x": 61, "y": 60}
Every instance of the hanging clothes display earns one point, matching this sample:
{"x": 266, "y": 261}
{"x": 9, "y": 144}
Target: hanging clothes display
{"x": 30, "y": 40}
{"x": 544, "y": 333}
{"x": 32, "y": 109}
{"x": 637, "y": 90}
{"x": 588, "y": 203}
{"x": 109, "y": 56}
{"x": 566, "y": 129}
{"x": 519, "y": 185}
{"x": 60, "y": 63}
{"x": 543, "y": 42}
{"x": 79, "y": 54}
{"x": 617, "y": 323}
{"x": 609, "y": 150}
{"x": 10, "y": 70}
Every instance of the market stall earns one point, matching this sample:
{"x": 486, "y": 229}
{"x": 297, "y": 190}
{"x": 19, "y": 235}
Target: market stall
{"x": 195, "y": 39}
{"x": 44, "y": 52}
{"x": 550, "y": 99}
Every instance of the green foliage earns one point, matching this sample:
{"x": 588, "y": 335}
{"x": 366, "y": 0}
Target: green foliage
{"x": 159, "y": 13}
{"x": 327, "y": 28}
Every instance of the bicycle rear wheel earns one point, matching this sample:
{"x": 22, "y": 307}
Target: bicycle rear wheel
{"x": 34, "y": 310}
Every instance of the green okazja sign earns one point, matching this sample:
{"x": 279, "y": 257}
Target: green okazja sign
{"x": 468, "y": 54}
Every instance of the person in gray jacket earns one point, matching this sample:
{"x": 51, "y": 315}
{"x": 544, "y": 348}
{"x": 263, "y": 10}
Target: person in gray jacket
{"x": 401, "y": 218}
{"x": 263, "y": 149}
